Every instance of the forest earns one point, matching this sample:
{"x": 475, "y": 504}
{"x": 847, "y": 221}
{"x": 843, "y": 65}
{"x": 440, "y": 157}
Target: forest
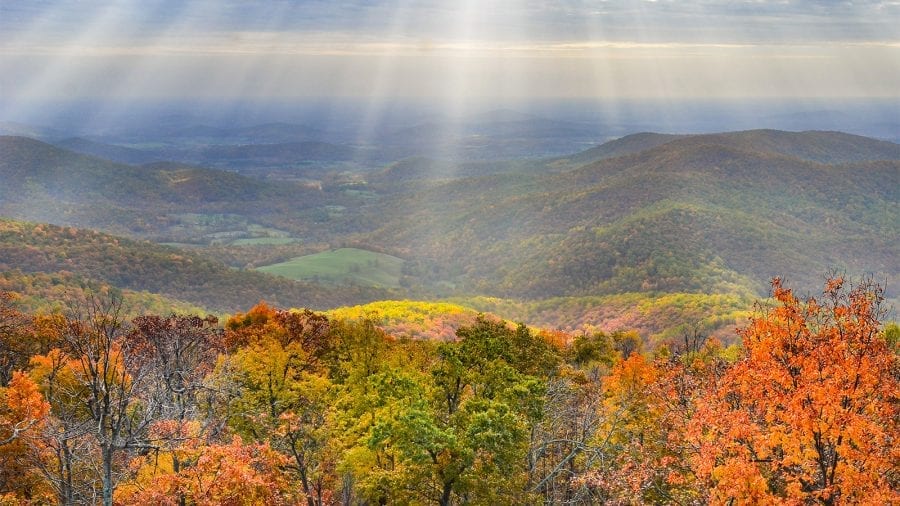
{"x": 277, "y": 406}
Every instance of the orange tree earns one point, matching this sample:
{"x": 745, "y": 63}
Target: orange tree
{"x": 809, "y": 413}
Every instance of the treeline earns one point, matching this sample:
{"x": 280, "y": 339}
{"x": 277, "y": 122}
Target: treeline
{"x": 293, "y": 407}
{"x": 49, "y": 292}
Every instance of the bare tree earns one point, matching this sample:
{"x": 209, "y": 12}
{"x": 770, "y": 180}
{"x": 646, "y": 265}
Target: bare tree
{"x": 106, "y": 373}
{"x": 566, "y": 443}
{"x": 181, "y": 350}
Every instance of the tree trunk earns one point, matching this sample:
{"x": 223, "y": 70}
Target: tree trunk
{"x": 445, "y": 494}
{"x": 107, "y": 475}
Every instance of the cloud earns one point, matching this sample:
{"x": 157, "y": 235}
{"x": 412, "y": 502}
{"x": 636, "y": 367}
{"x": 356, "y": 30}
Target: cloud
{"x": 436, "y": 49}
{"x": 723, "y": 21}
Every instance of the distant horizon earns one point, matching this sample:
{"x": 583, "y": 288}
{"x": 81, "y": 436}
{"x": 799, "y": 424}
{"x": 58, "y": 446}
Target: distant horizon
{"x": 875, "y": 117}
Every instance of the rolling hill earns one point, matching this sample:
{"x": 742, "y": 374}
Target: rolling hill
{"x": 143, "y": 266}
{"x": 33, "y": 169}
{"x": 705, "y": 213}
{"x": 112, "y": 152}
{"x": 44, "y": 183}
{"x": 289, "y": 152}
{"x": 649, "y": 214}
{"x": 48, "y": 292}
{"x": 180, "y": 130}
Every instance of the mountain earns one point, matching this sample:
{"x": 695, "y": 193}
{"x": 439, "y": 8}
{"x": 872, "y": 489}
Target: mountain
{"x": 712, "y": 213}
{"x": 630, "y": 144}
{"x": 31, "y": 166}
{"x": 111, "y": 152}
{"x": 143, "y": 266}
{"x": 48, "y": 184}
{"x": 825, "y": 147}
{"x": 817, "y": 146}
{"x": 699, "y": 213}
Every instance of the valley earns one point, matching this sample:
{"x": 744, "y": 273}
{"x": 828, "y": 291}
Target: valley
{"x": 587, "y": 240}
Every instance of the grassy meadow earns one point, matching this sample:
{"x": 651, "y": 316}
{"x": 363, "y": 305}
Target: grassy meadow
{"x": 343, "y": 265}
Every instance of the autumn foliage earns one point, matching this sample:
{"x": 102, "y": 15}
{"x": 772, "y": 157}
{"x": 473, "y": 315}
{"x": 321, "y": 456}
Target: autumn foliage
{"x": 810, "y": 411}
{"x": 293, "y": 407}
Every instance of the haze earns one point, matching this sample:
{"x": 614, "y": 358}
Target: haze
{"x": 452, "y": 51}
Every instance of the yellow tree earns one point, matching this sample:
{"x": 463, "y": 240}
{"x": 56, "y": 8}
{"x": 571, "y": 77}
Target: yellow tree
{"x": 809, "y": 413}
{"x": 280, "y": 391}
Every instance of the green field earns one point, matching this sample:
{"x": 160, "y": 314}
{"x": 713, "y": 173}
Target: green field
{"x": 344, "y": 265}
{"x": 263, "y": 241}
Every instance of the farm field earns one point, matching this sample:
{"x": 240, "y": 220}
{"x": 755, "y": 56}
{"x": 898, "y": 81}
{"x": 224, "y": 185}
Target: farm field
{"x": 343, "y": 265}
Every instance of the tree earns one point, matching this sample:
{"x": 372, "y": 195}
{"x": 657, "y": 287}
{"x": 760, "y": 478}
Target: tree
{"x": 463, "y": 435}
{"x": 810, "y": 411}
{"x": 562, "y": 446}
{"x": 23, "y": 414}
{"x": 13, "y": 347}
{"x": 229, "y": 474}
{"x": 92, "y": 382}
{"x": 65, "y": 453}
{"x": 181, "y": 351}
{"x": 281, "y": 392}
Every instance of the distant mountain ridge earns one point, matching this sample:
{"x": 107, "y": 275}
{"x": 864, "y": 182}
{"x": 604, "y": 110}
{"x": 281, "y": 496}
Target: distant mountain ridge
{"x": 110, "y": 152}
{"x": 818, "y": 146}
{"x": 286, "y": 152}
{"x": 34, "y": 169}
{"x": 690, "y": 213}
{"x": 45, "y": 183}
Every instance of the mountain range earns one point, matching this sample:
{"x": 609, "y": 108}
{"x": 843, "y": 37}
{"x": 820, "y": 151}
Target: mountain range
{"x": 648, "y": 213}
{"x": 695, "y": 213}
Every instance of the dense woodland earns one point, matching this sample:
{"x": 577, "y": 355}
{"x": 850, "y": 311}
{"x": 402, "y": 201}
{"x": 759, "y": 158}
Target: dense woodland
{"x": 295, "y": 407}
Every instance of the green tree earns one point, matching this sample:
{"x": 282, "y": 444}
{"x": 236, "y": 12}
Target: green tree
{"x": 458, "y": 432}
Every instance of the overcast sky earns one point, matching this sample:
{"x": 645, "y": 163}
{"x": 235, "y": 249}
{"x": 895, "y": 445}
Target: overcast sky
{"x": 453, "y": 50}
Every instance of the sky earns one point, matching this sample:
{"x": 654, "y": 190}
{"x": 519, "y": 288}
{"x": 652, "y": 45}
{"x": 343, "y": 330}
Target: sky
{"x": 450, "y": 51}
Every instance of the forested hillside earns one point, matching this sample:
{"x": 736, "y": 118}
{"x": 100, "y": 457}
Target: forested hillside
{"x": 144, "y": 266}
{"x": 717, "y": 213}
{"x": 161, "y": 200}
{"x": 559, "y": 240}
{"x": 295, "y": 407}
